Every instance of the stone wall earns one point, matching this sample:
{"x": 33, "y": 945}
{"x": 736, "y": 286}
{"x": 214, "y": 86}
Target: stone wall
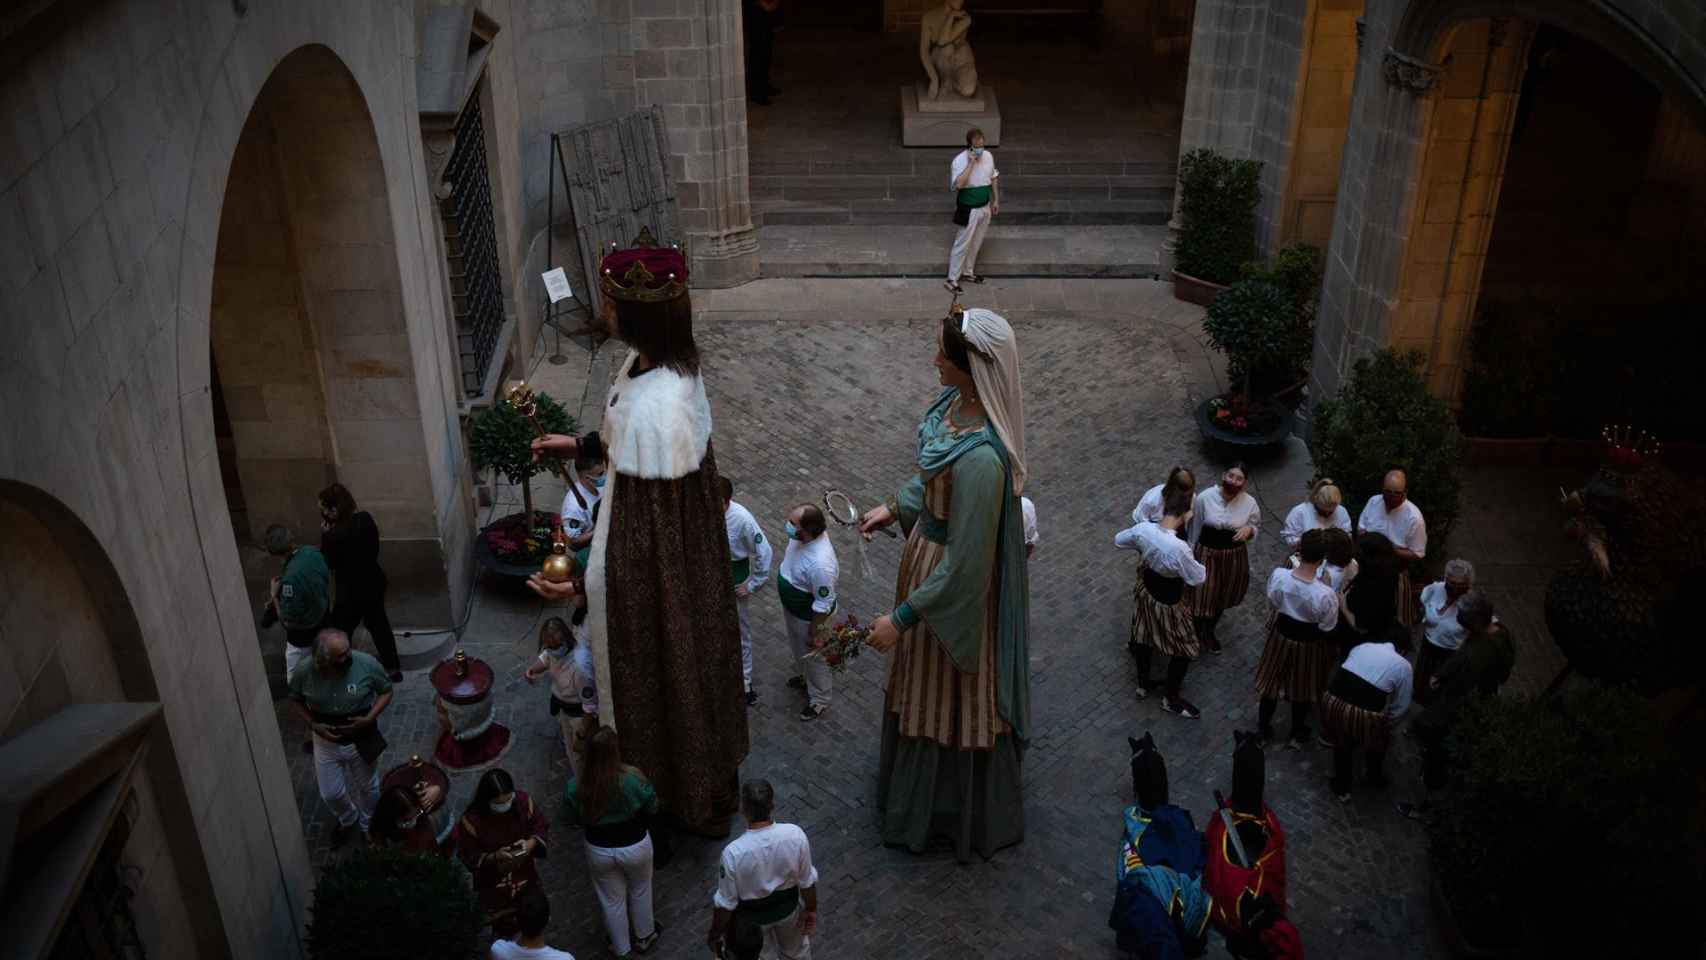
{"x": 58, "y": 653}
{"x": 118, "y": 125}
{"x": 1304, "y": 211}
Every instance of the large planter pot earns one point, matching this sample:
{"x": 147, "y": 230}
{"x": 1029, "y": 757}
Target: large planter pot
{"x": 1215, "y": 433}
{"x": 1192, "y": 290}
{"x": 501, "y": 566}
{"x": 1455, "y": 936}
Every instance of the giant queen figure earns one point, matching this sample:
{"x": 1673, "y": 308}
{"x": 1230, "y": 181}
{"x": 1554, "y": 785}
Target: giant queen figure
{"x": 660, "y": 613}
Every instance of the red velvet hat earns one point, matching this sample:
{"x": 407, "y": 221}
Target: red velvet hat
{"x": 645, "y": 272}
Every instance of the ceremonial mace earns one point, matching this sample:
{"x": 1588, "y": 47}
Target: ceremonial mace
{"x": 556, "y": 567}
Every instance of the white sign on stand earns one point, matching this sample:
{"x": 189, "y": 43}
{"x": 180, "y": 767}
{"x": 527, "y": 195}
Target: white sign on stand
{"x": 557, "y": 285}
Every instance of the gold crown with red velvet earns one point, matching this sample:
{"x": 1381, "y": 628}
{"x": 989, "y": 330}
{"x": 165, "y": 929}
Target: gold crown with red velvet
{"x": 645, "y": 272}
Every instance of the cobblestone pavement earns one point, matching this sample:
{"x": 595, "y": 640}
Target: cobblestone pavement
{"x": 818, "y": 384}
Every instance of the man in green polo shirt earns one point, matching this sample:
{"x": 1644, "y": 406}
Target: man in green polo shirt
{"x": 340, "y": 695}
{"x": 300, "y": 597}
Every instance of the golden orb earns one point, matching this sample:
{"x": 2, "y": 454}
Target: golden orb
{"x": 558, "y": 566}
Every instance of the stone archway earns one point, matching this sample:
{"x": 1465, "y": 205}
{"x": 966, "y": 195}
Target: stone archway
{"x": 1409, "y": 237}
{"x": 311, "y": 355}
{"x": 73, "y": 640}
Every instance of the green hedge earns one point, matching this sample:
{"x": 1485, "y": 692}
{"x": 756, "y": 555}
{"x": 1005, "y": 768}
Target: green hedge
{"x": 389, "y": 904}
{"x": 1217, "y": 211}
{"x": 1384, "y": 417}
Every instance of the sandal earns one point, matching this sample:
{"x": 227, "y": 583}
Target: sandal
{"x": 952, "y": 287}
{"x": 972, "y": 278}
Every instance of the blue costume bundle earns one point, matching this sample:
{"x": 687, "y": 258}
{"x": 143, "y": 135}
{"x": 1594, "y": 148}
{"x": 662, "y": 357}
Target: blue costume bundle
{"x": 1160, "y": 909}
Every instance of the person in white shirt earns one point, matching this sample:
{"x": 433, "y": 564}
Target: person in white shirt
{"x": 977, "y": 189}
{"x": 1159, "y": 619}
{"x": 534, "y": 913}
{"x": 1391, "y": 514}
{"x": 1223, "y": 525}
{"x": 1340, "y": 567}
{"x": 750, "y": 553}
{"x": 1149, "y": 505}
{"x": 586, "y": 485}
{"x": 1442, "y": 635}
{"x": 1300, "y": 654}
{"x": 1365, "y": 698}
{"x": 564, "y": 654}
{"x": 805, "y": 583}
{"x": 1321, "y": 511}
{"x": 1028, "y": 511}
{"x": 766, "y": 879}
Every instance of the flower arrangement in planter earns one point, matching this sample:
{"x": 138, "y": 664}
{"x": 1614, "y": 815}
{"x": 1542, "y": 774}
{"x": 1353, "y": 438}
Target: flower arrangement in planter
{"x": 501, "y": 438}
{"x": 1264, "y": 326}
{"x": 1217, "y": 230}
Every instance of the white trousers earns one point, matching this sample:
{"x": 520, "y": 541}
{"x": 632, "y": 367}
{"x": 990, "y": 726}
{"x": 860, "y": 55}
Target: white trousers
{"x": 293, "y": 657}
{"x": 784, "y": 941}
{"x": 575, "y": 733}
{"x": 820, "y": 682}
{"x": 622, "y": 877}
{"x": 347, "y": 783}
{"x": 745, "y": 642}
{"x": 967, "y": 243}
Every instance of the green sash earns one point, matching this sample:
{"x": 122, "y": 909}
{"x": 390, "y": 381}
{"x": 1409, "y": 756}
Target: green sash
{"x": 742, "y": 569}
{"x": 974, "y": 196}
{"x": 794, "y": 600}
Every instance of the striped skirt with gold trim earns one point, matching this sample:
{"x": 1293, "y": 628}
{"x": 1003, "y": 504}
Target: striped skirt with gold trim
{"x": 1295, "y": 670}
{"x": 1348, "y": 725}
{"x": 1407, "y": 601}
{"x": 1166, "y": 627}
{"x": 1228, "y": 580}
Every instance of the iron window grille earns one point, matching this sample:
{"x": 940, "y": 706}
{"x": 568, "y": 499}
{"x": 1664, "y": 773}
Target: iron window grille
{"x": 470, "y": 240}
{"x": 100, "y": 925}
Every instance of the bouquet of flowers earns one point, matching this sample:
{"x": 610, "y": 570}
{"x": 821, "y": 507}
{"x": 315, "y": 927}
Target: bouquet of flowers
{"x": 840, "y": 642}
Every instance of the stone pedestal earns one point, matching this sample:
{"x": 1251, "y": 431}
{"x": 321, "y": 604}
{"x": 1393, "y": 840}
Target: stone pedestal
{"x": 944, "y": 123}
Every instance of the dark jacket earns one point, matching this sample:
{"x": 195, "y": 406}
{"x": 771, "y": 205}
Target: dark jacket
{"x": 352, "y": 551}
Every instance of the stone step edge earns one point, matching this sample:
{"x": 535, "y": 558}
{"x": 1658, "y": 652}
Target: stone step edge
{"x": 802, "y": 270}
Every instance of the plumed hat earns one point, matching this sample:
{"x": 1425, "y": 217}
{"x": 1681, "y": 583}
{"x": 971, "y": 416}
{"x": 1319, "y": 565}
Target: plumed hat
{"x": 645, "y": 272}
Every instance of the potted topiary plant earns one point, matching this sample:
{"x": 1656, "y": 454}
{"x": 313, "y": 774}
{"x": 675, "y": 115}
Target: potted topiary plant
{"x": 1385, "y": 417}
{"x": 384, "y": 903}
{"x": 1581, "y": 786}
{"x": 1264, "y": 326}
{"x": 501, "y": 438}
{"x": 1217, "y": 223}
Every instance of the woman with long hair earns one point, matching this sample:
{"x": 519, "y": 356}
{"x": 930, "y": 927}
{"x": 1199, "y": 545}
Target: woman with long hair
{"x": 349, "y": 539}
{"x": 498, "y": 839}
{"x": 958, "y": 709}
{"x": 1150, "y": 506}
{"x": 615, "y": 803}
{"x": 1224, "y": 523}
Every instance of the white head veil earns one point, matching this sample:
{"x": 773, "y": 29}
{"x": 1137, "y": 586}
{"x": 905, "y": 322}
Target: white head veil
{"x": 995, "y": 371}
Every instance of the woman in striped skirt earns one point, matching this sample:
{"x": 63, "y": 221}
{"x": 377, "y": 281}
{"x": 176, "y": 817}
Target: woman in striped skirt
{"x": 1365, "y": 698}
{"x": 1159, "y": 619}
{"x": 1223, "y": 525}
{"x": 1149, "y": 506}
{"x": 1300, "y": 654}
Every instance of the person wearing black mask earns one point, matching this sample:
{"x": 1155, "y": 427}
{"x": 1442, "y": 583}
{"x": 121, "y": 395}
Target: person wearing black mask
{"x": 350, "y": 541}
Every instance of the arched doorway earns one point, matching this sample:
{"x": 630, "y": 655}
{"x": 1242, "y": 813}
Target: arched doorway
{"x": 1555, "y": 225}
{"x": 84, "y": 746}
{"x": 313, "y": 375}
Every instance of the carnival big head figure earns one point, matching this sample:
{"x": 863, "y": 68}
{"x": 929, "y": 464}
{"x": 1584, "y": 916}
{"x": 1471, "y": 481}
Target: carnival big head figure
{"x": 646, "y": 304}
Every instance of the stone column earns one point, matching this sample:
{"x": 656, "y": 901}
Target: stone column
{"x": 1221, "y": 88}
{"x": 692, "y": 65}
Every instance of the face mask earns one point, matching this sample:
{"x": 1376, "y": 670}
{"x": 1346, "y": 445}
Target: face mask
{"x": 502, "y": 807}
{"x": 559, "y": 650}
{"x": 792, "y": 531}
{"x": 977, "y": 151}
{"x": 598, "y": 482}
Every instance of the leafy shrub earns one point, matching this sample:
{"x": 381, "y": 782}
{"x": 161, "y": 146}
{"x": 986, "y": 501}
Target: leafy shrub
{"x": 501, "y": 438}
{"x": 1217, "y": 209}
{"x": 1571, "y": 786}
{"x": 1384, "y": 417}
{"x": 1297, "y": 268}
{"x": 1255, "y": 324}
{"x": 384, "y": 903}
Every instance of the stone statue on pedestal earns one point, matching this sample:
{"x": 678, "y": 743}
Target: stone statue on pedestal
{"x": 946, "y": 53}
